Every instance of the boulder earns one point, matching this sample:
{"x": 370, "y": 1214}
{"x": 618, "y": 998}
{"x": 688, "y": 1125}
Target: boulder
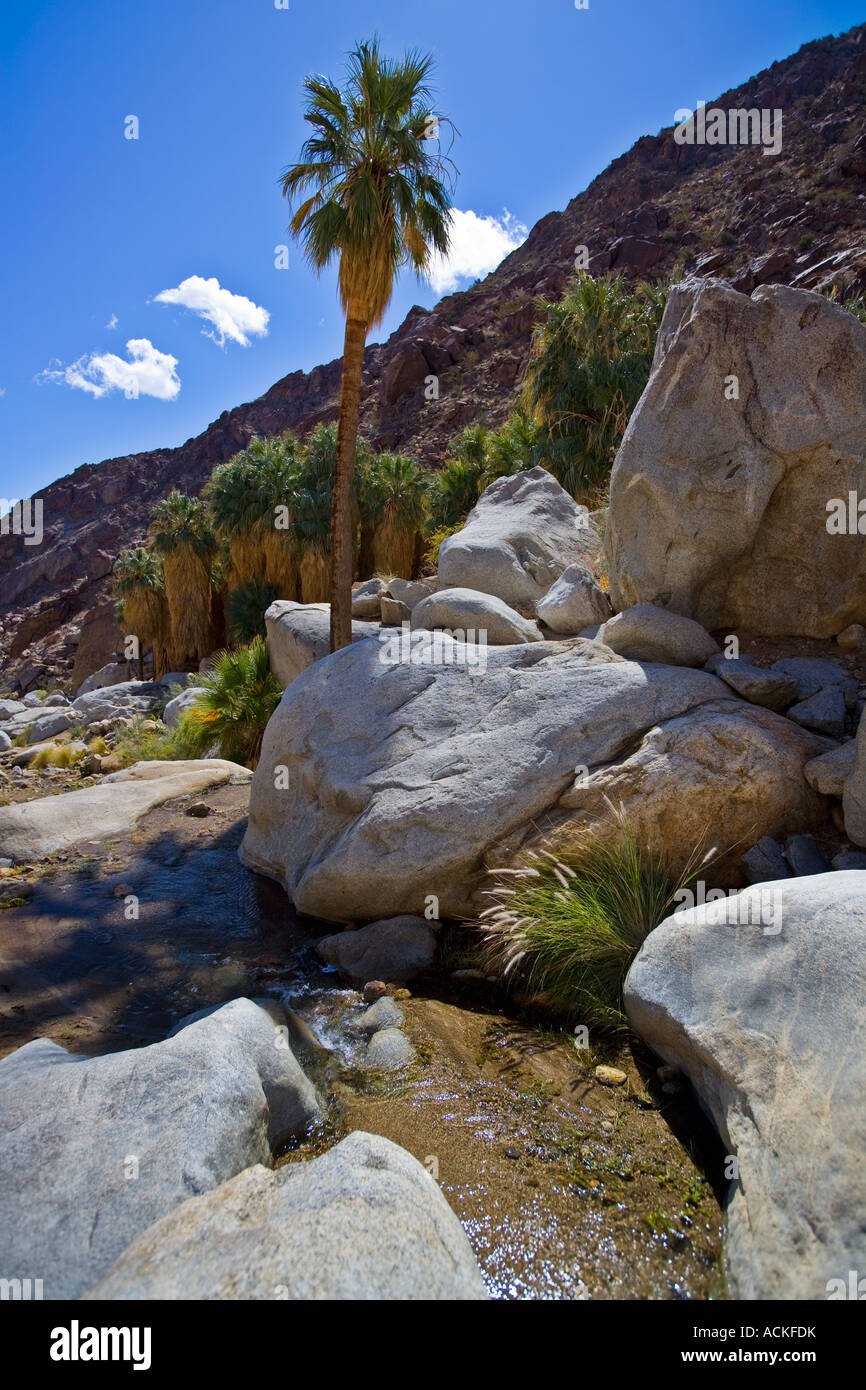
{"x": 300, "y": 633}
{"x": 824, "y": 712}
{"x": 366, "y": 598}
{"x": 854, "y": 791}
{"x": 93, "y": 1150}
{"x": 9, "y": 708}
{"x": 465, "y": 610}
{"x": 395, "y": 949}
{"x": 573, "y": 603}
{"x": 811, "y": 674}
{"x": 384, "y": 1013}
{"x": 719, "y": 506}
{"x": 805, "y": 856}
{"x": 123, "y": 700}
{"x": 389, "y": 1050}
{"x": 519, "y": 537}
{"x": 49, "y": 725}
{"x": 394, "y": 611}
{"x": 411, "y": 591}
{"x": 115, "y": 673}
{"x": 648, "y": 633}
{"x": 31, "y": 830}
{"x": 771, "y": 689}
{"x": 765, "y": 861}
{"x": 176, "y": 708}
{"x": 402, "y": 778}
{"x": 56, "y": 698}
{"x": 32, "y": 701}
{"x": 759, "y": 1000}
{"x": 5, "y": 742}
{"x": 829, "y": 771}
{"x": 364, "y": 1222}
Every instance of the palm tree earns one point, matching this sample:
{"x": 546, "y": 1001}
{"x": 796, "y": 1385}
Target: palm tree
{"x": 590, "y": 362}
{"x": 232, "y": 493}
{"x": 250, "y": 501}
{"x": 399, "y": 490}
{"x": 376, "y": 202}
{"x": 139, "y": 586}
{"x": 182, "y": 536}
{"x": 238, "y": 698}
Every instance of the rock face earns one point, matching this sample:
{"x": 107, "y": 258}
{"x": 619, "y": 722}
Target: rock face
{"x": 719, "y": 507}
{"x": 122, "y": 700}
{"x": 300, "y": 633}
{"x": 522, "y": 533}
{"x": 403, "y": 778}
{"x": 31, "y": 830}
{"x": 573, "y": 602}
{"x": 648, "y": 633}
{"x": 114, "y": 673}
{"x": 465, "y": 610}
{"x": 366, "y": 598}
{"x": 95, "y": 1149}
{"x": 395, "y": 949}
{"x": 363, "y": 1222}
{"x": 769, "y": 1027}
{"x": 854, "y": 792}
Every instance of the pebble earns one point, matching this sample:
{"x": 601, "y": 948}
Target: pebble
{"x": 373, "y": 990}
{"x": 198, "y": 808}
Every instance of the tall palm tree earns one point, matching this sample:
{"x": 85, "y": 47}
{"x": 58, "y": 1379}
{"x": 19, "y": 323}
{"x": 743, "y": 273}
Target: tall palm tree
{"x": 244, "y": 496}
{"x": 375, "y": 200}
{"x": 139, "y": 586}
{"x": 182, "y": 536}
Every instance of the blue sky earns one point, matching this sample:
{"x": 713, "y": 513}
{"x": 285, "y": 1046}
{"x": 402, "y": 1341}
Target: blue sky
{"x": 97, "y": 226}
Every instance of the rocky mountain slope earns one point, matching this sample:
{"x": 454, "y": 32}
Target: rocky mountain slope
{"x": 728, "y": 211}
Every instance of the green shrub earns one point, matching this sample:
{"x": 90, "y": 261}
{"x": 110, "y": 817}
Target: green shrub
{"x": 240, "y": 695}
{"x": 568, "y": 925}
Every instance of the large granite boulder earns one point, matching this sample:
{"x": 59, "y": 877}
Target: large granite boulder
{"x": 364, "y": 1222}
{"x": 467, "y": 610}
{"x": 115, "y": 673}
{"x": 123, "y": 700}
{"x": 719, "y": 501}
{"x": 95, "y": 1149}
{"x": 399, "y": 780}
{"x": 759, "y": 1000}
{"x": 300, "y": 633}
{"x": 520, "y": 536}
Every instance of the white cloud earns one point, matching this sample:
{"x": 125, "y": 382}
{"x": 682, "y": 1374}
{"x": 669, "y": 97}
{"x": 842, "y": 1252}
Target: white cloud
{"x": 112, "y": 322}
{"x": 477, "y": 246}
{"x": 233, "y": 315}
{"x": 148, "y": 372}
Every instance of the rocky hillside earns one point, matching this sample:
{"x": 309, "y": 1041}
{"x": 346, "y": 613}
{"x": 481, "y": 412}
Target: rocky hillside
{"x": 727, "y": 211}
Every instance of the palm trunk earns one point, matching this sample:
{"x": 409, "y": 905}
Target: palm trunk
{"x": 342, "y": 512}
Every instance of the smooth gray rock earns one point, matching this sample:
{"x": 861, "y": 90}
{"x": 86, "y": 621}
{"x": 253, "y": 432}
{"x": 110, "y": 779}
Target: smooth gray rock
{"x": 829, "y": 771}
{"x": 519, "y": 537}
{"x": 854, "y": 791}
{"x": 56, "y": 698}
{"x": 115, "y": 673}
{"x": 394, "y": 611}
{"x": 824, "y": 712}
{"x": 411, "y": 591}
{"x": 403, "y": 778}
{"x": 95, "y": 1149}
{"x": 770, "y": 689}
{"x": 394, "y": 949}
{"x": 765, "y": 861}
{"x": 771, "y": 1031}
{"x": 385, "y": 1013}
{"x": 465, "y": 610}
{"x": 389, "y": 1050}
{"x": 719, "y": 508}
{"x": 849, "y": 859}
{"x": 300, "y": 633}
{"x": 176, "y": 708}
{"x": 367, "y": 598}
{"x": 32, "y": 830}
{"x": 124, "y": 699}
{"x": 648, "y": 633}
{"x": 32, "y": 701}
{"x": 49, "y": 725}
{"x": 364, "y": 1222}
{"x": 573, "y": 603}
{"x": 812, "y": 673}
{"x": 5, "y": 741}
{"x": 8, "y": 708}
{"x": 805, "y": 856}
